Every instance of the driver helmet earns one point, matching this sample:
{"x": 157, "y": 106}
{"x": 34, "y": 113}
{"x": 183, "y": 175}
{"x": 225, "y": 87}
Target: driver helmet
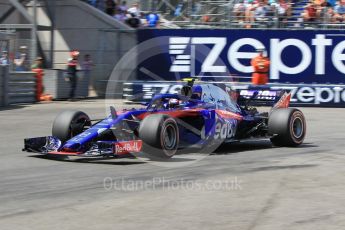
{"x": 197, "y": 91}
{"x": 173, "y": 103}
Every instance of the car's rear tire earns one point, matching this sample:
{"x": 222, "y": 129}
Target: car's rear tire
{"x": 160, "y": 136}
{"x": 288, "y": 127}
{"x": 69, "y": 124}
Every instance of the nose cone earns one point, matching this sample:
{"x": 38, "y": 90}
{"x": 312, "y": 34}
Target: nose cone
{"x": 71, "y": 147}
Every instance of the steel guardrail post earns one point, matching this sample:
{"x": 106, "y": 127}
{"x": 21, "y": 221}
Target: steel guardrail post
{"x": 4, "y": 81}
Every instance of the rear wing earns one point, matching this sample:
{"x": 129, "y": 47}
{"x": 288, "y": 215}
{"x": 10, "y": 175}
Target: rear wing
{"x": 264, "y": 97}
{"x": 283, "y": 102}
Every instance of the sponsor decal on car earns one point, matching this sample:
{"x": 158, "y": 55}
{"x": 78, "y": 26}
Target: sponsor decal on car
{"x": 127, "y": 147}
{"x": 225, "y": 130}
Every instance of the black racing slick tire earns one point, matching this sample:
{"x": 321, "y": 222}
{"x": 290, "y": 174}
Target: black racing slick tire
{"x": 160, "y": 136}
{"x": 288, "y": 127}
{"x": 69, "y": 124}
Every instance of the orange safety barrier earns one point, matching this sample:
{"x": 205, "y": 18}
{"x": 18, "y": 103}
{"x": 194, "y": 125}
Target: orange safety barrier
{"x": 39, "y": 83}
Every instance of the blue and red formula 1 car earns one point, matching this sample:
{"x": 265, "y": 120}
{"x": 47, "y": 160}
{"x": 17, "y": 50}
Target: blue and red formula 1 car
{"x": 202, "y": 115}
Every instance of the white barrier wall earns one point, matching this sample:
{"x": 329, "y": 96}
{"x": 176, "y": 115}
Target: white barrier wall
{"x": 55, "y": 84}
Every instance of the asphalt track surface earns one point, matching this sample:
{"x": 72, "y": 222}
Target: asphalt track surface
{"x": 243, "y": 186}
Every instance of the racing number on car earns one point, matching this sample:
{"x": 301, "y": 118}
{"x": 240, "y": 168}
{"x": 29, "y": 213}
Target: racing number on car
{"x": 225, "y": 130}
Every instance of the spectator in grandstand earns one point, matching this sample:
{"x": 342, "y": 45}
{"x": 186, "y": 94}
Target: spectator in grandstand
{"x": 324, "y": 11}
{"x": 332, "y": 2}
{"x": 249, "y": 13}
{"x": 283, "y": 10}
{"x": 178, "y": 10}
{"x": 133, "y": 21}
{"x": 196, "y": 8}
{"x": 240, "y": 11}
{"x": 110, "y": 7}
{"x": 120, "y": 15}
{"x": 263, "y": 13}
{"x": 309, "y": 14}
{"x": 206, "y": 18}
{"x": 339, "y": 12}
{"x": 135, "y": 10}
{"x": 324, "y": 3}
{"x": 261, "y": 65}
{"x": 4, "y": 58}
{"x": 152, "y": 20}
{"x": 21, "y": 61}
{"x": 123, "y": 6}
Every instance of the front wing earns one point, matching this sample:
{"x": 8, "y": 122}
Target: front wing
{"x": 51, "y": 146}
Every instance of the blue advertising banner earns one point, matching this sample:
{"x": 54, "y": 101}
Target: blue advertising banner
{"x": 297, "y": 56}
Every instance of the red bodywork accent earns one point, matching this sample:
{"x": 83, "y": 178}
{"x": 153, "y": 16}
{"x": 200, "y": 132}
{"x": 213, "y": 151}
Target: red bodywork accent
{"x": 65, "y": 153}
{"x": 125, "y": 147}
{"x": 174, "y": 113}
{"x": 283, "y": 102}
{"x": 228, "y": 115}
{"x": 194, "y": 112}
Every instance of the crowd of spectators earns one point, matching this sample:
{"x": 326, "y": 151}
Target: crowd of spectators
{"x": 271, "y": 13}
{"x": 263, "y": 12}
{"x": 322, "y": 11}
{"x": 20, "y": 60}
{"x": 131, "y": 15}
{"x": 245, "y": 13}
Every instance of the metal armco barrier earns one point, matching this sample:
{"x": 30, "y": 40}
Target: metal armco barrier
{"x": 315, "y": 95}
{"x": 16, "y": 87}
{"x": 28, "y": 87}
{"x": 21, "y": 87}
{"x": 4, "y": 85}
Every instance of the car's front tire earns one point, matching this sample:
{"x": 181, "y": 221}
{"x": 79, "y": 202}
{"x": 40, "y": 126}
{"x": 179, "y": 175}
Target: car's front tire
{"x": 288, "y": 127}
{"x": 69, "y": 124}
{"x": 160, "y": 136}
